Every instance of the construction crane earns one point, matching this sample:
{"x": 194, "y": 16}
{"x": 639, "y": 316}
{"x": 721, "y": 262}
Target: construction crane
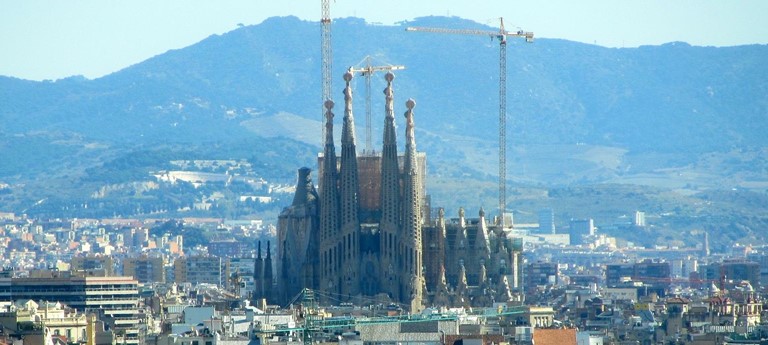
{"x": 501, "y": 35}
{"x": 367, "y": 71}
{"x": 327, "y": 57}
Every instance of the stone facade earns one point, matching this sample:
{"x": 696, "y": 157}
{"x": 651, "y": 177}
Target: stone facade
{"x": 368, "y": 232}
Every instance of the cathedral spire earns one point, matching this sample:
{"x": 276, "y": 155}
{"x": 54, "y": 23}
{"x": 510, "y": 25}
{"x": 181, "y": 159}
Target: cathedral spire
{"x": 411, "y": 184}
{"x": 410, "y": 139}
{"x": 329, "y": 207}
{"x": 348, "y": 129}
{"x": 442, "y": 293}
{"x": 412, "y": 221}
{"x": 389, "y": 110}
{"x": 390, "y": 195}
{"x": 349, "y": 188}
{"x": 503, "y": 289}
{"x": 328, "y": 122}
{"x": 483, "y": 240}
{"x": 461, "y": 287}
{"x": 268, "y": 273}
{"x": 258, "y": 275}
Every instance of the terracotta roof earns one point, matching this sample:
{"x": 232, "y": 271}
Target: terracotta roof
{"x": 554, "y": 336}
{"x": 719, "y": 300}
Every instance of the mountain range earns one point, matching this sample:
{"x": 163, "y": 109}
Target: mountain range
{"x": 675, "y": 116}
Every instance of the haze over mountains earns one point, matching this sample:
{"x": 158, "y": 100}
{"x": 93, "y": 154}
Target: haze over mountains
{"x": 671, "y": 116}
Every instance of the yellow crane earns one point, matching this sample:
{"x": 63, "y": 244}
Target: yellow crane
{"x": 501, "y": 35}
{"x": 367, "y": 71}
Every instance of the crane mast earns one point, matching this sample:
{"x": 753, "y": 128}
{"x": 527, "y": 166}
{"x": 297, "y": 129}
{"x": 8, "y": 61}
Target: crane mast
{"x": 327, "y": 57}
{"x": 502, "y": 127}
{"x": 501, "y": 35}
{"x": 367, "y": 71}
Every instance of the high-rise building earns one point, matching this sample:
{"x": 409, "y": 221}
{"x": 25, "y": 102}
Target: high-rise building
{"x": 580, "y": 228}
{"x": 229, "y": 248}
{"x": 540, "y": 273}
{"x": 690, "y": 265}
{"x": 180, "y": 243}
{"x": 199, "y": 269}
{"x": 140, "y": 237}
{"x": 92, "y": 263}
{"x": 547, "y": 221}
{"x": 615, "y": 274}
{"x": 761, "y": 258}
{"x": 653, "y": 272}
{"x": 240, "y": 271}
{"x": 114, "y": 299}
{"x": 657, "y": 273}
{"x": 705, "y": 247}
{"x": 676, "y": 266}
{"x": 639, "y": 219}
{"x": 145, "y": 269}
{"x": 741, "y": 270}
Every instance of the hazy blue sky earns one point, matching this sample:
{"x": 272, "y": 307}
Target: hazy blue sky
{"x": 51, "y": 39}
